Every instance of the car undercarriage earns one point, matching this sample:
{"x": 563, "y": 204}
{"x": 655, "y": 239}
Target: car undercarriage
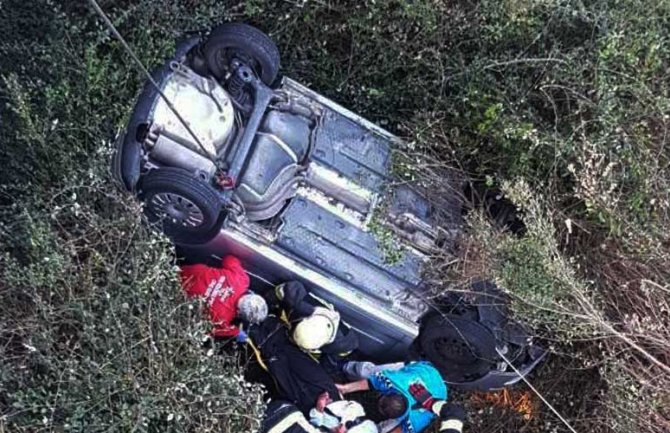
{"x": 230, "y": 158}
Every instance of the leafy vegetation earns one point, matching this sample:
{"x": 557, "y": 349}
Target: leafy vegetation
{"x": 561, "y": 105}
{"x": 95, "y": 333}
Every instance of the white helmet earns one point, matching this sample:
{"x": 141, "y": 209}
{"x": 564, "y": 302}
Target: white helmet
{"x": 252, "y": 308}
{"x": 317, "y": 330}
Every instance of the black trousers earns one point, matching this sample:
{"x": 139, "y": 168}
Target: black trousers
{"x": 300, "y": 379}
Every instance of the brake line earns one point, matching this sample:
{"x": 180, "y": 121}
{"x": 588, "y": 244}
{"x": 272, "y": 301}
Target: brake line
{"x": 147, "y": 74}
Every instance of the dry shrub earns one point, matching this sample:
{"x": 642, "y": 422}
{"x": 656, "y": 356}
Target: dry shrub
{"x": 602, "y": 310}
{"x": 638, "y": 306}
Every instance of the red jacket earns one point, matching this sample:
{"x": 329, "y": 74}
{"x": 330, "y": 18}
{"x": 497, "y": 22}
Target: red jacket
{"x": 221, "y": 288}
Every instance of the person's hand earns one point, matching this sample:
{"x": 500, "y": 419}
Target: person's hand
{"x": 421, "y": 395}
{"x": 343, "y": 388}
{"x": 453, "y": 411}
{"x": 242, "y": 337}
{"x": 322, "y": 401}
{"x": 359, "y": 385}
{"x": 339, "y": 429}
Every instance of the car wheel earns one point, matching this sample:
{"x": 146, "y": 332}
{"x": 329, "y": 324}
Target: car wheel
{"x": 188, "y": 209}
{"x": 460, "y": 348}
{"x": 246, "y": 43}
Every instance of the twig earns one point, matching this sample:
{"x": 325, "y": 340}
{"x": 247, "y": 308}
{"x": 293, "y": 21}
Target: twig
{"x": 530, "y": 385}
{"x": 521, "y": 61}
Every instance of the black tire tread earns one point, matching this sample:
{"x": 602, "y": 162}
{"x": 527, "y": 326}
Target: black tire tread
{"x": 177, "y": 180}
{"x": 435, "y": 327}
{"x": 244, "y": 34}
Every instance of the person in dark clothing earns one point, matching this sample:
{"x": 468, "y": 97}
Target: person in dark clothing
{"x": 300, "y": 379}
{"x": 316, "y": 329}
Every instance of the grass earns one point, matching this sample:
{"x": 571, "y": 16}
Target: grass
{"x": 560, "y": 105}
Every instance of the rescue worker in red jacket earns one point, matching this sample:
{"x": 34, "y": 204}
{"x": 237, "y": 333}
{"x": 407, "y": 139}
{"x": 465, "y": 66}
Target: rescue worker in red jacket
{"x": 226, "y": 292}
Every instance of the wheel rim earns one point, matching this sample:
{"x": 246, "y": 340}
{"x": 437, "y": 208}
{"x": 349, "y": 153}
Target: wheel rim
{"x": 225, "y": 56}
{"x": 177, "y": 209}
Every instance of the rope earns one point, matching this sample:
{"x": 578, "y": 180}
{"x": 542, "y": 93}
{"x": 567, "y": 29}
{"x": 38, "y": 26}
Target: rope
{"x": 544, "y": 400}
{"x": 153, "y": 82}
{"x": 257, "y": 353}
{"x": 259, "y": 278}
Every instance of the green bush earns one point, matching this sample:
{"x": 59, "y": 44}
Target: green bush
{"x": 95, "y": 332}
{"x": 568, "y": 99}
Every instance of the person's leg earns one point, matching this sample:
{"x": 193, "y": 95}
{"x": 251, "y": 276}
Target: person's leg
{"x": 356, "y": 370}
{"x": 311, "y": 378}
{"x": 275, "y": 412}
{"x": 300, "y": 379}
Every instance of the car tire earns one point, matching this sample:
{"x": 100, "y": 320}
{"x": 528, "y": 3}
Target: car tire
{"x": 246, "y": 42}
{"x": 186, "y": 208}
{"x": 460, "y": 348}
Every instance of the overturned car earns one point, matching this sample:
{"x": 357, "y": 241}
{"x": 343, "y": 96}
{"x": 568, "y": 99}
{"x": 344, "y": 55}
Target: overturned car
{"x": 230, "y": 158}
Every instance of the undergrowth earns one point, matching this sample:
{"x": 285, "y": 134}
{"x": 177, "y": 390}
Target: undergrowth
{"x": 95, "y": 333}
{"x": 559, "y": 105}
